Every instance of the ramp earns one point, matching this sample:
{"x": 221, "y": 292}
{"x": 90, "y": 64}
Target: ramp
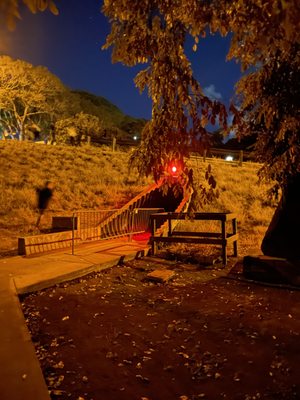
{"x": 87, "y": 226}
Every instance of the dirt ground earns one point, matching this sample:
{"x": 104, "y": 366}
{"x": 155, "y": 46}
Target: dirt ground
{"x": 114, "y": 335}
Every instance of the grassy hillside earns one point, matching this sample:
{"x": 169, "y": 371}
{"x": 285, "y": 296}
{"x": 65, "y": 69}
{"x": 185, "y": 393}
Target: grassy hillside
{"x": 84, "y": 178}
{"x": 241, "y": 193}
{"x": 96, "y": 178}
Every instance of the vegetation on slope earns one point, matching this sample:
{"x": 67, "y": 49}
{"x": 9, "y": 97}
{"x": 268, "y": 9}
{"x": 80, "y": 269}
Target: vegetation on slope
{"x": 108, "y": 113}
{"x": 95, "y": 178}
{"x": 32, "y": 100}
{"x": 240, "y": 192}
{"x": 84, "y": 178}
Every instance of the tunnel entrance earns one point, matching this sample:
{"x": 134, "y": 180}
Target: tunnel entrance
{"x": 169, "y": 201}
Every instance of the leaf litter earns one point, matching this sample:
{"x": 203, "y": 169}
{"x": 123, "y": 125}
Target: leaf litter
{"x": 194, "y": 337}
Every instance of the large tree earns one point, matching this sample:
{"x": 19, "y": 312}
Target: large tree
{"x": 267, "y": 43}
{"x": 27, "y": 93}
{"x": 265, "y": 40}
{"x": 154, "y": 33}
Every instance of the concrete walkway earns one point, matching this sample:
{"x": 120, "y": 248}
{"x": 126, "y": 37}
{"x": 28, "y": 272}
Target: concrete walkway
{"x": 20, "y": 374}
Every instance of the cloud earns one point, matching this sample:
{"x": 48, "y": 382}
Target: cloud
{"x": 210, "y": 91}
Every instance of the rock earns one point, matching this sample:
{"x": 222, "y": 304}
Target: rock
{"x": 160, "y": 276}
{"x": 271, "y": 269}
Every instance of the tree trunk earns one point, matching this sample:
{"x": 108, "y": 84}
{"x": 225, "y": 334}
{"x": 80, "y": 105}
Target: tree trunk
{"x": 282, "y": 238}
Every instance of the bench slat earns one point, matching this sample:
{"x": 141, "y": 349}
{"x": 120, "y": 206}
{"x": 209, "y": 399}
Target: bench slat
{"x": 187, "y": 239}
{"x": 196, "y": 234}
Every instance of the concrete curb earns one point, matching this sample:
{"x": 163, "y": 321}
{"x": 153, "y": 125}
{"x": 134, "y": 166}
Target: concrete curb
{"x": 23, "y": 288}
{"x": 21, "y": 375}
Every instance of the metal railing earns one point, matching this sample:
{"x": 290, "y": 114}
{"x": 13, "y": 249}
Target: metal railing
{"x": 97, "y": 225}
{"x": 140, "y": 220}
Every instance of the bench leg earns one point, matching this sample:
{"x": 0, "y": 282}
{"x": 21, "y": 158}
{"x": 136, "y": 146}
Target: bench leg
{"x": 224, "y": 244}
{"x": 224, "y": 254}
{"x": 235, "y": 248}
{"x": 154, "y": 248}
{"x": 235, "y": 244}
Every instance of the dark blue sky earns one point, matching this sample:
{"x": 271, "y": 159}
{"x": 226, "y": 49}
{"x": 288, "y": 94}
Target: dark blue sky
{"x": 70, "y": 46}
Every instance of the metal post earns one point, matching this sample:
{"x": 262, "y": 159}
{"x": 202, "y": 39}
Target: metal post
{"x": 169, "y": 224}
{"x": 235, "y": 244}
{"x": 131, "y": 225}
{"x": 224, "y": 243}
{"x": 153, "y": 230}
{"x": 114, "y": 141}
{"x": 73, "y": 232}
{"x": 241, "y": 158}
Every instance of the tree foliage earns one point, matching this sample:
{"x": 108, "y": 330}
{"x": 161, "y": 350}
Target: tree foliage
{"x": 10, "y": 9}
{"x": 265, "y": 40}
{"x": 75, "y": 130}
{"x": 109, "y": 114}
{"x": 268, "y": 44}
{"x": 26, "y": 93}
{"x": 153, "y": 32}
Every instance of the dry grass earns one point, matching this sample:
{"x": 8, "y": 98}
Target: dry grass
{"x": 241, "y": 193}
{"x": 95, "y": 178}
{"x": 84, "y": 178}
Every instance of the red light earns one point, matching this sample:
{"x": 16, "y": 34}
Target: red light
{"x": 174, "y": 169}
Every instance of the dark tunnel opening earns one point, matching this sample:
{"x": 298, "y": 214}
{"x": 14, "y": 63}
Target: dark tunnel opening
{"x": 169, "y": 201}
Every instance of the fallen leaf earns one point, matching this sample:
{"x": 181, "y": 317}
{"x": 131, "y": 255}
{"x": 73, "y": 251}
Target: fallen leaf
{"x": 184, "y": 355}
{"x": 143, "y": 378}
{"x": 59, "y": 365}
{"x": 57, "y": 392}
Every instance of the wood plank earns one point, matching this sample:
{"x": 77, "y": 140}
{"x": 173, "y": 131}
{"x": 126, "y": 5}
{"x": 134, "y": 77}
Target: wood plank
{"x": 215, "y": 216}
{"x": 197, "y": 234}
{"x": 186, "y": 239}
{"x": 232, "y": 238}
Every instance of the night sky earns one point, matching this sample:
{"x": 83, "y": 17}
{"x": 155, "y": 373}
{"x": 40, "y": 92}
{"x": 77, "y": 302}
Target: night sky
{"x": 69, "y": 45}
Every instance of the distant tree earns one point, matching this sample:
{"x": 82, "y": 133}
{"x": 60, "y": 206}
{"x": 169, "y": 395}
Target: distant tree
{"x": 243, "y": 143}
{"x": 26, "y": 93}
{"x": 10, "y": 9}
{"x": 112, "y": 131}
{"x": 75, "y": 130}
{"x": 217, "y": 138}
{"x": 111, "y": 116}
{"x": 133, "y": 126}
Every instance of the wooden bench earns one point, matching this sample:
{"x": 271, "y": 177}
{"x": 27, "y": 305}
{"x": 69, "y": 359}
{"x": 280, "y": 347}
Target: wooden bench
{"x": 222, "y": 238}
